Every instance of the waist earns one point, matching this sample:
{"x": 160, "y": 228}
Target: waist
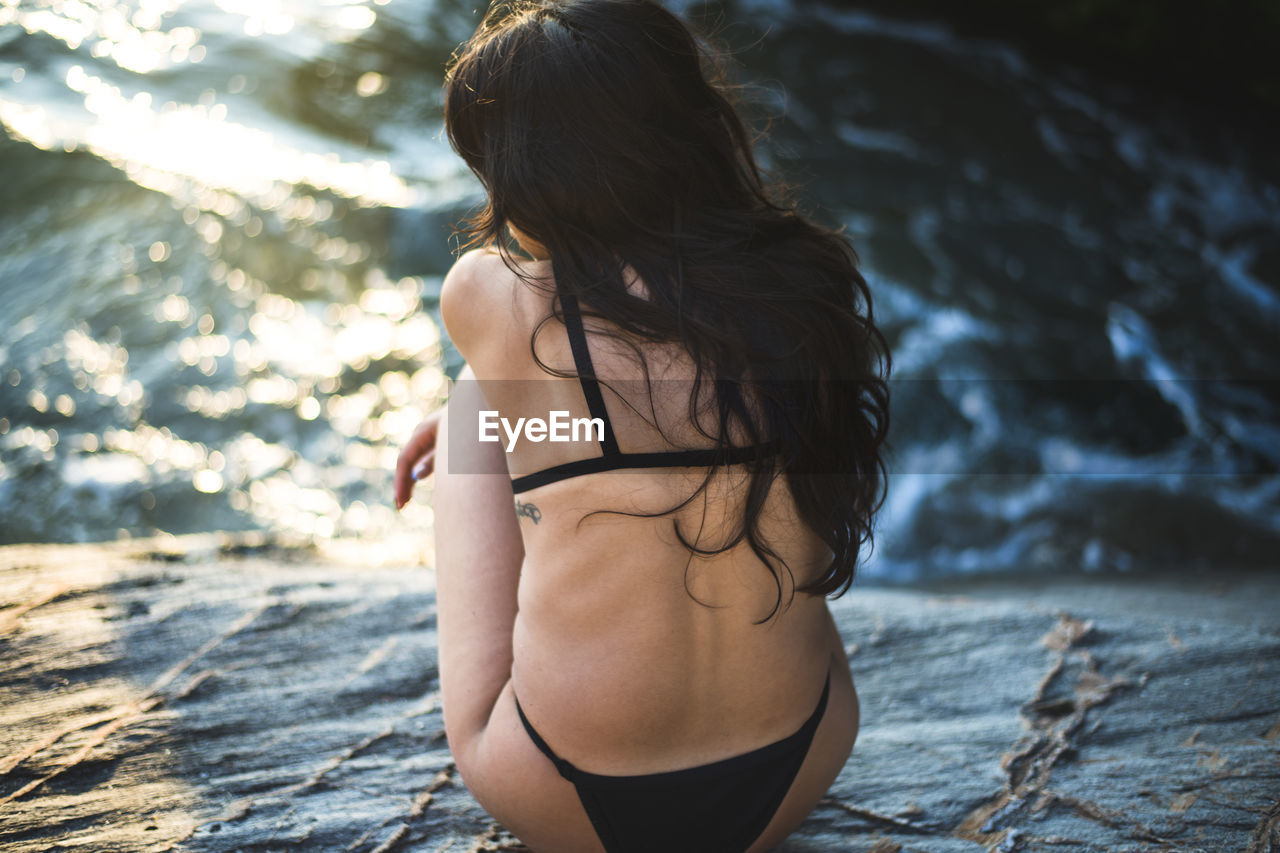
{"x": 639, "y": 689}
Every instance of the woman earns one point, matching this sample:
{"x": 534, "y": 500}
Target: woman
{"x": 635, "y": 651}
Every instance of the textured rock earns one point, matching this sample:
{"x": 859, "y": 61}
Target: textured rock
{"x": 204, "y": 694}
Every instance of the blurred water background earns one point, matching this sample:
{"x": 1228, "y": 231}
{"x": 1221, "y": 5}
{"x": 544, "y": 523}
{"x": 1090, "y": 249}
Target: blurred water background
{"x": 224, "y": 224}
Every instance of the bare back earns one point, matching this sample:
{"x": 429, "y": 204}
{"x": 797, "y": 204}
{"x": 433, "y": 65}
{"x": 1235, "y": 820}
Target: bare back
{"x": 632, "y": 654}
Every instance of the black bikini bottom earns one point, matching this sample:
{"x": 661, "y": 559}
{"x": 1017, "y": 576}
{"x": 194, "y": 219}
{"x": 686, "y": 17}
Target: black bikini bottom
{"x": 714, "y": 808}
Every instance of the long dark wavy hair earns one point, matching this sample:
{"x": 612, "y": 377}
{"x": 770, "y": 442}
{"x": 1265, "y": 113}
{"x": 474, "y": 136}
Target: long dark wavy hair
{"x": 603, "y": 130}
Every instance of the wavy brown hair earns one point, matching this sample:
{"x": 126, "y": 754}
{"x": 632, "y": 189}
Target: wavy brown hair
{"x": 603, "y": 130}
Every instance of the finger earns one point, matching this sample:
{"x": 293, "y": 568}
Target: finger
{"x": 409, "y": 456}
{"x": 404, "y": 480}
{"x": 425, "y": 466}
{"x": 420, "y": 446}
{"x": 400, "y": 484}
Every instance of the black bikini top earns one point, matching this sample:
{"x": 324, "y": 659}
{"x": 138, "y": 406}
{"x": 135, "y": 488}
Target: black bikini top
{"x": 613, "y": 458}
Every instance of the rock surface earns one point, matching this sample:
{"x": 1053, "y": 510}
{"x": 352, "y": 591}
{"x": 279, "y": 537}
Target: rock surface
{"x": 210, "y": 695}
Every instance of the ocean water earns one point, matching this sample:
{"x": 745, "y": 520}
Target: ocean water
{"x": 223, "y": 226}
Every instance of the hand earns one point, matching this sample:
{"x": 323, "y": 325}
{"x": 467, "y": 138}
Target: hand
{"x": 417, "y": 458}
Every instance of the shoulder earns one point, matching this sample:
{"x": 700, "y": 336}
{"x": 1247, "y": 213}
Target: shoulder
{"x": 471, "y": 290}
{"x": 482, "y": 300}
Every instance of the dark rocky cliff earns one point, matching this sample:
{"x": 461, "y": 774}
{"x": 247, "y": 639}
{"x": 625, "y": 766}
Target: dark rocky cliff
{"x": 1219, "y": 53}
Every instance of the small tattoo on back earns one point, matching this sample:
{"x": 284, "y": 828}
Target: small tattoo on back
{"x": 528, "y": 511}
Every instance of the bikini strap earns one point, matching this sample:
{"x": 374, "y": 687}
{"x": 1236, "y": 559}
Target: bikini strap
{"x": 586, "y": 371}
{"x": 565, "y": 768}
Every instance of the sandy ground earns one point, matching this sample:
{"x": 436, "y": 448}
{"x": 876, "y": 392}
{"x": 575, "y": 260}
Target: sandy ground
{"x": 217, "y": 694}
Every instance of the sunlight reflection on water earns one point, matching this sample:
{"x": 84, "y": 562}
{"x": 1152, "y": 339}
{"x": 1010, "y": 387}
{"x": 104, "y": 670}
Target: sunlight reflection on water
{"x": 283, "y": 365}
